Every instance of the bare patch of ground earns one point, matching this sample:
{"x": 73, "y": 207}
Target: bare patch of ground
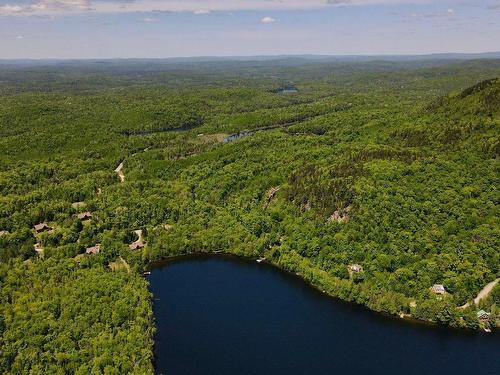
{"x": 119, "y": 264}
{"x": 119, "y": 172}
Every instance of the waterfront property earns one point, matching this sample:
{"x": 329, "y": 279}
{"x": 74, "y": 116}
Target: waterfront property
{"x": 483, "y": 315}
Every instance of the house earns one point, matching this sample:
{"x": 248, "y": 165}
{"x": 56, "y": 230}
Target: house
{"x": 42, "y": 227}
{"x": 136, "y": 245}
{"x": 438, "y": 289}
{"x": 483, "y": 315}
{"x": 83, "y": 216}
{"x": 355, "y": 268}
{"x": 93, "y": 250}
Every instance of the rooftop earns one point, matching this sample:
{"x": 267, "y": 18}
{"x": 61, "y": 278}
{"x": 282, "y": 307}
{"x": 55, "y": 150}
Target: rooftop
{"x": 438, "y": 288}
{"x": 482, "y": 314}
{"x": 41, "y": 226}
{"x": 136, "y": 245}
{"x": 84, "y": 215}
{"x": 93, "y": 250}
{"x": 356, "y": 267}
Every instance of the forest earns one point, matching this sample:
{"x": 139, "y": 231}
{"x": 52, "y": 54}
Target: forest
{"x": 389, "y": 165}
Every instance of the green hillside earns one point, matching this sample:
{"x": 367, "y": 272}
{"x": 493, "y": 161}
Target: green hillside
{"x": 392, "y": 169}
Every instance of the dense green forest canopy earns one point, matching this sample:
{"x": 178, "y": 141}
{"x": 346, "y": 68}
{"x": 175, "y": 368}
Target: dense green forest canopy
{"x": 392, "y": 165}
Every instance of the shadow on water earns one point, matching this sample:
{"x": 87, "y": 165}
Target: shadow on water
{"x": 182, "y": 128}
{"x": 226, "y": 315}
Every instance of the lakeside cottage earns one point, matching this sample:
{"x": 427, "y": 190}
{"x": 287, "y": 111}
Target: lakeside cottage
{"x": 355, "y": 268}
{"x": 42, "y": 227}
{"x": 85, "y": 216}
{"x": 136, "y": 245}
{"x": 93, "y": 250}
{"x": 483, "y": 315}
{"x": 438, "y": 289}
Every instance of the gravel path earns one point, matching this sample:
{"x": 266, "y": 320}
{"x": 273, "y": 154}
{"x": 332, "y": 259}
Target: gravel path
{"x": 118, "y": 170}
{"x": 483, "y": 293}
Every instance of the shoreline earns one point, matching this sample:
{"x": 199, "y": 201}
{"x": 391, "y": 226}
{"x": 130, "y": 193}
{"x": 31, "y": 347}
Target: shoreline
{"x": 405, "y": 318}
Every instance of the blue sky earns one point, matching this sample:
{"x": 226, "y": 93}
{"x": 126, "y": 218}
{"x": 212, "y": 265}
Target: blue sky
{"x": 168, "y": 28}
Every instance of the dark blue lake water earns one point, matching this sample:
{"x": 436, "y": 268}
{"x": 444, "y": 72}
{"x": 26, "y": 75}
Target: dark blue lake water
{"x": 220, "y": 315}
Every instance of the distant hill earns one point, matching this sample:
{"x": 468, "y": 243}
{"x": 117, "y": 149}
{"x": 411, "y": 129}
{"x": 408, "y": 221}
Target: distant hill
{"x": 481, "y": 99}
{"x": 261, "y": 58}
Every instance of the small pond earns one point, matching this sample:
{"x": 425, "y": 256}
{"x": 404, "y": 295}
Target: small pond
{"x": 235, "y": 136}
{"x": 288, "y": 91}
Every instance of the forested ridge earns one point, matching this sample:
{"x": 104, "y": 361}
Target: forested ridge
{"x": 389, "y": 166}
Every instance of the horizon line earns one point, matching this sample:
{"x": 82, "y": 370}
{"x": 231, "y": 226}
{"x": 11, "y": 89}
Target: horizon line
{"x": 250, "y": 56}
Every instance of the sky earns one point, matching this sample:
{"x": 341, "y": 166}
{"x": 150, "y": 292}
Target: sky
{"x": 173, "y": 28}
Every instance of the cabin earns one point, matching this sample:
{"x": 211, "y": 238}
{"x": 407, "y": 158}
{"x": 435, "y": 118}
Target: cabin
{"x": 83, "y": 216}
{"x": 438, "y": 289}
{"x": 42, "y": 227}
{"x": 136, "y": 245}
{"x": 483, "y": 315}
{"x": 355, "y": 268}
{"x": 93, "y": 250}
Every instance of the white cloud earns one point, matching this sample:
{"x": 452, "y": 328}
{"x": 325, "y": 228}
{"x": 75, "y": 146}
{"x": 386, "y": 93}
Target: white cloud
{"x": 55, "y": 7}
{"x": 19, "y": 37}
{"x": 267, "y": 20}
{"x": 434, "y": 15}
{"x": 201, "y": 11}
{"x": 46, "y": 7}
{"x": 7, "y": 8}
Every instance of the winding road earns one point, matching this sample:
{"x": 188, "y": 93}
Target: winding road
{"x": 483, "y": 293}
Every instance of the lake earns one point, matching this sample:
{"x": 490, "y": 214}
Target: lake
{"x": 224, "y": 315}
